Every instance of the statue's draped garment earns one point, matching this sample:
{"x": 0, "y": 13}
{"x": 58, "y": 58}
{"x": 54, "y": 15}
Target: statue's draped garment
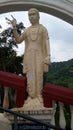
{"x": 35, "y": 52}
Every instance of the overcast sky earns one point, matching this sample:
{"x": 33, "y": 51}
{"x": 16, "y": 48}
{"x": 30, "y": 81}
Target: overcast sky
{"x": 60, "y": 33}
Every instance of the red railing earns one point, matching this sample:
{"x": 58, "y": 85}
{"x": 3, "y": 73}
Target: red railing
{"x": 57, "y": 93}
{"x": 51, "y": 91}
{"x": 17, "y": 82}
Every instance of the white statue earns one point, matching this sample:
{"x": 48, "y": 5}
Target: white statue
{"x": 36, "y": 57}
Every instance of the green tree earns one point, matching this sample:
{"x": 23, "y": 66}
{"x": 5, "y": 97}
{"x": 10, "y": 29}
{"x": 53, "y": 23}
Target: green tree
{"x": 7, "y": 44}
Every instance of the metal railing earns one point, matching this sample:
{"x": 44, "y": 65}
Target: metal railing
{"x": 27, "y": 117}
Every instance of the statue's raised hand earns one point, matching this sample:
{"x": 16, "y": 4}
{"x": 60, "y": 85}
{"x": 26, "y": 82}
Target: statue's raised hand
{"x": 13, "y": 21}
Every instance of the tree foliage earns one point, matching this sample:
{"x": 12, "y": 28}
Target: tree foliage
{"x": 7, "y": 52}
{"x": 61, "y": 73}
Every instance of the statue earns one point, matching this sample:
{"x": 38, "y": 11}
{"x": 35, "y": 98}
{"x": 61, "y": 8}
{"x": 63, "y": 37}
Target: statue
{"x": 36, "y": 57}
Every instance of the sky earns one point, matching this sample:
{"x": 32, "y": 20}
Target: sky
{"x": 60, "y": 34}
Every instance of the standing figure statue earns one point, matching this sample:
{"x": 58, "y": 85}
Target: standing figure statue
{"x": 36, "y": 57}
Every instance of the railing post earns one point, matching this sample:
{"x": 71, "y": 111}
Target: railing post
{"x": 62, "y": 121}
{"x": 71, "y": 109}
{"x": 6, "y": 98}
{"x": 54, "y": 110}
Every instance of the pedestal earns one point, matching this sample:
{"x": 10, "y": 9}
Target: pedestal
{"x": 44, "y": 115}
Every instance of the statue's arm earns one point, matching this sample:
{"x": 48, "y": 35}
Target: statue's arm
{"x": 47, "y": 44}
{"x": 47, "y": 59}
{"x": 18, "y": 38}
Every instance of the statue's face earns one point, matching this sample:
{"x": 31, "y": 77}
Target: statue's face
{"x": 33, "y": 16}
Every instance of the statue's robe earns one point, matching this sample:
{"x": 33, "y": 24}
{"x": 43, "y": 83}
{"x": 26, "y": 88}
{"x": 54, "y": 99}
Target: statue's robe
{"x": 35, "y": 53}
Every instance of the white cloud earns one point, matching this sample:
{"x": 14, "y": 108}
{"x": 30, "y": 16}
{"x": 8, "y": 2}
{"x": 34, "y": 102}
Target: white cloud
{"x": 21, "y": 49}
{"x": 60, "y": 51}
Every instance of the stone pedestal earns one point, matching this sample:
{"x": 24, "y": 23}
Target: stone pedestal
{"x": 44, "y": 115}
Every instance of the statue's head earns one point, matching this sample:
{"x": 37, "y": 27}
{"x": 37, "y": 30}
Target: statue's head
{"x": 33, "y": 14}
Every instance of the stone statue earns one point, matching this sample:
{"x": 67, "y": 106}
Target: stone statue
{"x": 36, "y": 57}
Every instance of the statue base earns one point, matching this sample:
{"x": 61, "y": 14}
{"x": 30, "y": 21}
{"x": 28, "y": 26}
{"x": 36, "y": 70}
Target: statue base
{"x": 44, "y": 115}
{"x": 33, "y": 103}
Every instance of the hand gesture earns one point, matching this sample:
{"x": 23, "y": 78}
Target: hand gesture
{"x": 13, "y": 21}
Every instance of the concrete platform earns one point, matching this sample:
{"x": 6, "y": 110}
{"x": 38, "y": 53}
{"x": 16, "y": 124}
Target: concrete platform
{"x": 44, "y": 115}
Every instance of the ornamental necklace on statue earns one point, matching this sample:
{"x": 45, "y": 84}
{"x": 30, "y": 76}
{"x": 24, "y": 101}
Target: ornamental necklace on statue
{"x": 34, "y": 33}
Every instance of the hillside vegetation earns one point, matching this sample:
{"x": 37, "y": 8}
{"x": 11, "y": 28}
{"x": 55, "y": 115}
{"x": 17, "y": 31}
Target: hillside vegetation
{"x": 60, "y": 73}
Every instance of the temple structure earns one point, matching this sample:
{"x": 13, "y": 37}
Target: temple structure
{"x": 60, "y": 8}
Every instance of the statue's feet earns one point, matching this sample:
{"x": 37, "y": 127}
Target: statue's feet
{"x": 40, "y": 98}
{"x": 33, "y": 103}
{"x": 27, "y": 100}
